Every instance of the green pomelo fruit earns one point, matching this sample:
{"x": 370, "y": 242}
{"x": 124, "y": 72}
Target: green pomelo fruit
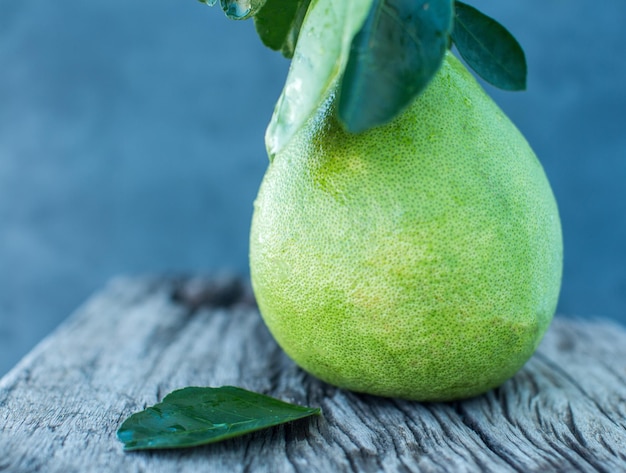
{"x": 421, "y": 259}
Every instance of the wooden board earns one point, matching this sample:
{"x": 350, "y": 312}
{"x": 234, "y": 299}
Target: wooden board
{"x": 139, "y": 339}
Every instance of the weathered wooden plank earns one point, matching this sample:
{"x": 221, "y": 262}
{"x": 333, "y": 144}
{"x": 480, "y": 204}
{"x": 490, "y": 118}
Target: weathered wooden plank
{"x": 139, "y": 339}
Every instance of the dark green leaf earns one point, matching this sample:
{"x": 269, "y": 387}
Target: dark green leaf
{"x": 393, "y": 57}
{"x": 278, "y": 24}
{"x": 241, "y": 9}
{"x": 489, "y": 48}
{"x": 196, "y": 416}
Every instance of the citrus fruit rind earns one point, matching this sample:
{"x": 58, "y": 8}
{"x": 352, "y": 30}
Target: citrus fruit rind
{"x": 420, "y": 259}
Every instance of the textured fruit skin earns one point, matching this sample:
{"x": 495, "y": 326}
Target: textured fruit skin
{"x": 419, "y": 260}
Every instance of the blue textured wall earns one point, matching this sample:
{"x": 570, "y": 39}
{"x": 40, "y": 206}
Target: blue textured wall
{"x": 131, "y": 141}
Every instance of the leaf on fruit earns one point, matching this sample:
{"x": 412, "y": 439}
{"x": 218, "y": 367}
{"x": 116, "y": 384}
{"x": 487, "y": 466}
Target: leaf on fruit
{"x": 393, "y": 57}
{"x": 196, "y": 416}
{"x": 278, "y": 24}
{"x": 489, "y": 48}
{"x": 319, "y": 60}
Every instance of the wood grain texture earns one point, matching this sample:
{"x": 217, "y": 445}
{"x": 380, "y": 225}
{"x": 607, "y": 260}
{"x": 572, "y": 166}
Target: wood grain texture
{"x": 139, "y": 339}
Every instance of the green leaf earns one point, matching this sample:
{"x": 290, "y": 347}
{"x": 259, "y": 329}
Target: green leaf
{"x": 196, "y": 416}
{"x": 489, "y": 48}
{"x": 319, "y": 60}
{"x": 393, "y": 57}
{"x": 278, "y": 24}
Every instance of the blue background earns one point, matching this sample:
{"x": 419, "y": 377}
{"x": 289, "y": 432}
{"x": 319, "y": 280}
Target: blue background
{"x": 131, "y": 141}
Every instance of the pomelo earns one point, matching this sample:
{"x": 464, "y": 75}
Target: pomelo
{"x": 420, "y": 259}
